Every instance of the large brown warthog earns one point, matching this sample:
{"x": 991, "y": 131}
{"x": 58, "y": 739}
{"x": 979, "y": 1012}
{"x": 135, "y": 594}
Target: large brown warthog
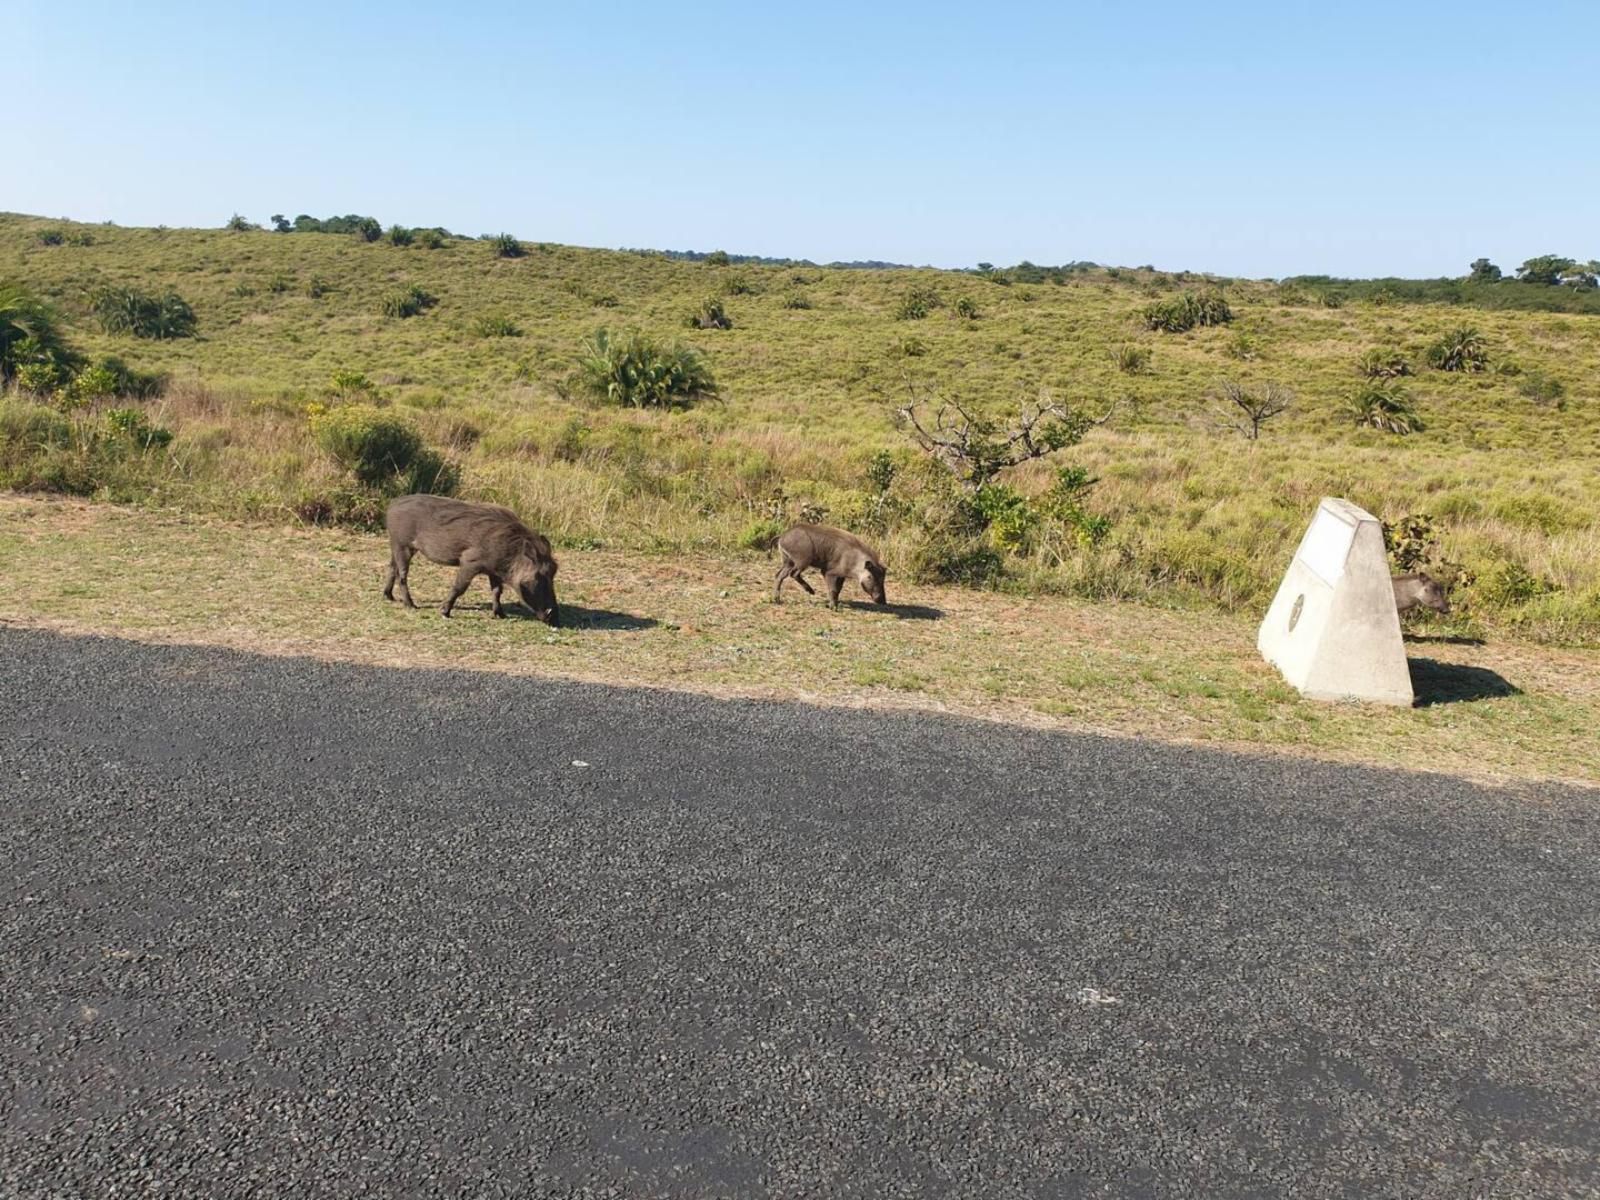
{"x": 837, "y": 554}
{"x": 479, "y": 539}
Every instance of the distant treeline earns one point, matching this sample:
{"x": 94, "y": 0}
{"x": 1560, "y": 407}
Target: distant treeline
{"x": 1548, "y": 283}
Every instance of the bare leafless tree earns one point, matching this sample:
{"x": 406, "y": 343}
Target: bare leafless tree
{"x": 1248, "y": 409}
{"x": 976, "y": 448}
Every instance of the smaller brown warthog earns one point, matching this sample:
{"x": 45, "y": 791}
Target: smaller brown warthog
{"x": 1419, "y": 590}
{"x": 837, "y": 554}
{"x": 477, "y": 539}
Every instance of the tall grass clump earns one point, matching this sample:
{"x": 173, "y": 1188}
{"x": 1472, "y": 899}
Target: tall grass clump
{"x": 1383, "y": 362}
{"x": 408, "y": 302}
{"x": 128, "y": 310}
{"x": 503, "y": 245}
{"x": 1460, "y": 349}
{"x": 1186, "y": 311}
{"x": 1383, "y": 406}
{"x": 710, "y": 315}
{"x": 916, "y": 304}
{"x": 634, "y": 370}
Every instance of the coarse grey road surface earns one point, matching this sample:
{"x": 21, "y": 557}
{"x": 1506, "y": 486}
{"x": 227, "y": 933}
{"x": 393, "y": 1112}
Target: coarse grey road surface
{"x": 281, "y": 928}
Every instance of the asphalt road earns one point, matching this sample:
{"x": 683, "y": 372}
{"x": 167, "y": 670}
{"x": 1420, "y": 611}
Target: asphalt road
{"x": 282, "y": 928}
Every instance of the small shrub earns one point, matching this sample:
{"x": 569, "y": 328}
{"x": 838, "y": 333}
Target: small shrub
{"x": 710, "y": 315}
{"x": 91, "y": 384}
{"x": 366, "y": 229}
{"x": 967, "y": 308}
{"x": 1509, "y": 583}
{"x": 317, "y": 287}
{"x": 428, "y": 239}
{"x": 1242, "y": 347}
{"x": 347, "y": 385}
{"x": 738, "y": 285}
{"x": 30, "y": 332}
{"x": 238, "y": 224}
{"x": 1249, "y": 409}
{"x": 133, "y": 426}
{"x": 1186, "y": 311}
{"x": 1132, "y": 359}
{"x": 636, "y": 371}
{"x": 382, "y": 450}
{"x": 718, "y": 258}
{"x": 1411, "y": 541}
{"x": 1542, "y": 388}
{"x": 503, "y": 245}
{"x": 1461, "y": 349}
{"x": 950, "y": 557}
{"x": 52, "y": 237}
{"x": 569, "y": 443}
{"x": 408, "y": 302}
{"x": 399, "y": 235}
{"x": 796, "y": 300}
{"x": 605, "y": 300}
{"x": 495, "y": 326}
{"x": 761, "y": 534}
{"x": 916, "y": 304}
{"x": 128, "y": 310}
{"x": 881, "y": 472}
{"x": 911, "y": 347}
{"x": 279, "y": 284}
{"x": 1384, "y": 406}
{"x": 40, "y": 378}
{"x": 1383, "y": 362}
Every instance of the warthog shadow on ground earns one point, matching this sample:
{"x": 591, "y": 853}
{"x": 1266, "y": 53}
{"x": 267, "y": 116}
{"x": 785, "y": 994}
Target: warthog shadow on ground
{"x": 1434, "y": 682}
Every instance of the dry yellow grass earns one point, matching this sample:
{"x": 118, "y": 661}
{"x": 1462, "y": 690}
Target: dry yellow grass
{"x": 1501, "y": 711}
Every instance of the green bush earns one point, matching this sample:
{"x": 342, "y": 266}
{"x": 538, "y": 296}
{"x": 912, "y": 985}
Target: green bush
{"x": 710, "y": 315}
{"x": 317, "y": 287}
{"x": 133, "y": 426}
{"x": 239, "y": 224}
{"x": 429, "y": 239}
{"x": 967, "y": 308}
{"x": 916, "y": 304}
{"x": 718, "y": 258}
{"x": 761, "y": 534}
{"x": 399, "y": 235}
{"x": 130, "y": 311}
{"x": 1186, "y": 311}
{"x": 1508, "y": 583}
{"x": 637, "y": 371}
{"x": 1542, "y": 388}
{"x": 1461, "y": 349}
{"x": 382, "y": 450}
{"x": 367, "y": 229}
{"x": 910, "y": 347}
{"x": 408, "y": 302}
{"x": 495, "y": 326}
{"x": 40, "y": 378}
{"x": 796, "y": 300}
{"x": 52, "y": 237}
{"x": 738, "y": 285}
{"x": 1383, "y": 362}
{"x": 91, "y": 384}
{"x": 951, "y": 557}
{"x": 1385, "y": 406}
{"x": 505, "y": 246}
{"x": 30, "y": 332}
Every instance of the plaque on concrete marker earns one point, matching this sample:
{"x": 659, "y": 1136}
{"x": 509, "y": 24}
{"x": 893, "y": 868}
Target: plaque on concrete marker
{"x": 1332, "y": 628}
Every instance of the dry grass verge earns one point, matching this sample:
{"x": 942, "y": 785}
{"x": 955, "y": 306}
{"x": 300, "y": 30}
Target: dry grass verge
{"x": 1497, "y": 711}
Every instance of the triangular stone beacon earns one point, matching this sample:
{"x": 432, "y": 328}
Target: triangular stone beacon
{"x": 1332, "y": 628}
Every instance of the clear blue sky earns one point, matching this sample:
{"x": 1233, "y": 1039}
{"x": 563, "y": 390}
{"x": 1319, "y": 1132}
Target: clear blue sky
{"x": 1245, "y": 138}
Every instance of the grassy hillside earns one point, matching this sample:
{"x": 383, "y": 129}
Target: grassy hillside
{"x": 810, "y": 375}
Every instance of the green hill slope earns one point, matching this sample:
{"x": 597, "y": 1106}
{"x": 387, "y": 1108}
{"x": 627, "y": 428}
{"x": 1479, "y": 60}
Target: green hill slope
{"x": 810, "y": 374}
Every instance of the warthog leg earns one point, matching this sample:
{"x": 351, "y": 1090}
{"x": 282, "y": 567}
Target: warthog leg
{"x": 399, "y": 569}
{"x": 464, "y": 578}
{"x": 495, "y": 584}
{"x": 835, "y": 582}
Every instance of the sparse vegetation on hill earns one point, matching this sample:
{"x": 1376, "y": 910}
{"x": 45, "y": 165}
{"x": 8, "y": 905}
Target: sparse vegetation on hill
{"x": 602, "y": 441}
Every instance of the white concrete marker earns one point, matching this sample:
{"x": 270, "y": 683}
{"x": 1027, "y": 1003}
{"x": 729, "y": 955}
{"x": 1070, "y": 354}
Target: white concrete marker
{"x": 1332, "y": 628}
